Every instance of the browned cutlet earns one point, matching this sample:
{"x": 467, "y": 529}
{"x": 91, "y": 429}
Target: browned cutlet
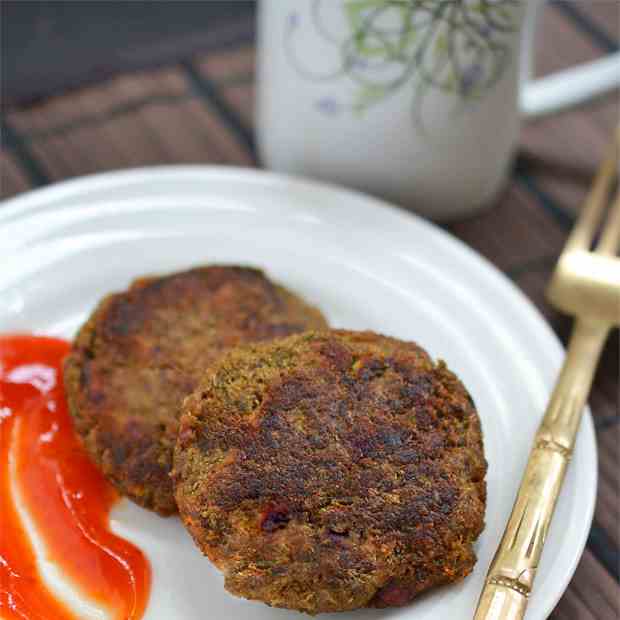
{"x": 331, "y": 471}
{"x": 143, "y": 350}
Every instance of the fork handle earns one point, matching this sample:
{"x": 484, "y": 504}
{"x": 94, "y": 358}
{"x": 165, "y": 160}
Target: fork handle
{"x": 513, "y": 569}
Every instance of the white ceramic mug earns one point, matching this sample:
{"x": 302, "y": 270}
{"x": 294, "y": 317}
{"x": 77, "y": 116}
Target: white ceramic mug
{"x": 417, "y": 101}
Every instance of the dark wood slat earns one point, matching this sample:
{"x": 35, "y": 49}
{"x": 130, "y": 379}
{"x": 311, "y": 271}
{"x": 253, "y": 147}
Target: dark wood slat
{"x": 532, "y": 234}
{"x": 31, "y": 167}
{"x": 607, "y": 509}
{"x": 229, "y": 66}
{"x": 561, "y": 164}
{"x": 232, "y": 72}
{"x": 137, "y": 120}
{"x": 605, "y": 15}
{"x": 94, "y": 105}
{"x": 241, "y": 98}
{"x": 593, "y": 584}
{"x": 561, "y": 43}
{"x": 572, "y": 607}
{"x": 209, "y": 92}
{"x": 13, "y": 180}
{"x": 563, "y": 150}
{"x": 605, "y": 386}
{"x": 197, "y": 135}
{"x": 580, "y": 14}
{"x": 592, "y": 594}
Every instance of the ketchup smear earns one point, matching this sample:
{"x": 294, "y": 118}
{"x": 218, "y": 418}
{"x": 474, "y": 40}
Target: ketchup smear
{"x": 67, "y": 498}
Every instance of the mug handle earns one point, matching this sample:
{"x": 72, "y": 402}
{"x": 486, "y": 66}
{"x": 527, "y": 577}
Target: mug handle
{"x": 565, "y": 88}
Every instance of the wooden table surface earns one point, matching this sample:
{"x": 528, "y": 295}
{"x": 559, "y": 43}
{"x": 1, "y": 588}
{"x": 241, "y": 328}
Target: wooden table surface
{"x": 197, "y": 108}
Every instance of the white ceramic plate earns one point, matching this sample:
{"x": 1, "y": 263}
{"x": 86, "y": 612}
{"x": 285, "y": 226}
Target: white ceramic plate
{"x": 367, "y": 266}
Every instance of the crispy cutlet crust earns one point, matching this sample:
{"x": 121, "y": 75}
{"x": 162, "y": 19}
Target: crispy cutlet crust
{"x": 143, "y": 350}
{"x": 331, "y": 471}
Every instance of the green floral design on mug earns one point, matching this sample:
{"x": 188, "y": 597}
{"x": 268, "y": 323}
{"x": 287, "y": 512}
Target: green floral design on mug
{"x": 457, "y": 47}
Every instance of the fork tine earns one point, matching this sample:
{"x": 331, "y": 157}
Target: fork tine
{"x": 583, "y": 232}
{"x": 609, "y": 242}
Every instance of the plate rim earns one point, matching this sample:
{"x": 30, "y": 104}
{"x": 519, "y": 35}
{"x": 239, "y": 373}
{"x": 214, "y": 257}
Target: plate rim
{"x": 21, "y": 205}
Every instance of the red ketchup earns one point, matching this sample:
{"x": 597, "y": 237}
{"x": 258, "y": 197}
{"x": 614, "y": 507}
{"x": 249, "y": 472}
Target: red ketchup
{"x": 67, "y": 498}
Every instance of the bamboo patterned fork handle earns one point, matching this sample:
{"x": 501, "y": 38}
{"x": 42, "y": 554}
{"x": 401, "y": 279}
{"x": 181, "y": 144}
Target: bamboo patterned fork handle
{"x": 512, "y": 572}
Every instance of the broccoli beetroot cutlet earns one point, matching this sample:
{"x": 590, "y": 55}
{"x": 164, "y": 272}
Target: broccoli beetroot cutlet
{"x": 331, "y": 471}
{"x": 143, "y": 350}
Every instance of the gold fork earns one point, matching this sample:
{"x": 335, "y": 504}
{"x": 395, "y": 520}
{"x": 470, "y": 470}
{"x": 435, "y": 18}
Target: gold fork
{"x": 586, "y": 285}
